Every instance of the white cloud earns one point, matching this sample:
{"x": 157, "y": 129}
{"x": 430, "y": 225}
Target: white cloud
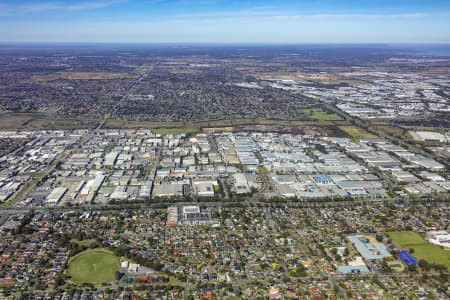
{"x": 268, "y": 13}
{"x": 93, "y": 4}
{"x": 24, "y": 8}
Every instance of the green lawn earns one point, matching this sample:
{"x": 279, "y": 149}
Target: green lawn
{"x": 422, "y": 248}
{"x": 317, "y": 114}
{"x": 93, "y": 266}
{"x": 173, "y": 281}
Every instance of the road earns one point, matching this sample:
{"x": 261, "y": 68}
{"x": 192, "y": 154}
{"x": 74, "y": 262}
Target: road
{"x": 120, "y": 102}
{"x": 22, "y": 194}
{"x": 245, "y": 204}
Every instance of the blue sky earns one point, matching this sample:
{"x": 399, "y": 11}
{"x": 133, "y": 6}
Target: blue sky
{"x": 230, "y": 21}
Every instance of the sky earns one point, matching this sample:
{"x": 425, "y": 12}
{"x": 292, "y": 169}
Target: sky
{"x": 225, "y": 21}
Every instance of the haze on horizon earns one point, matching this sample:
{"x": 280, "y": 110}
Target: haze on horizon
{"x": 225, "y": 21}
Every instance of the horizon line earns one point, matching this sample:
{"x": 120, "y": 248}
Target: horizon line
{"x": 216, "y": 43}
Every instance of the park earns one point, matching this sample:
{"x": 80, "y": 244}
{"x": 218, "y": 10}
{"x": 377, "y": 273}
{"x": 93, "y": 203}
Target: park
{"x": 422, "y": 249}
{"x": 93, "y": 266}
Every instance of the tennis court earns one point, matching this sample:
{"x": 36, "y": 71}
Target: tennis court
{"x": 407, "y": 258}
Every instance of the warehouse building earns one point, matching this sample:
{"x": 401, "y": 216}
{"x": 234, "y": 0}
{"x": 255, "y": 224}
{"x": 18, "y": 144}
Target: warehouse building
{"x": 56, "y": 195}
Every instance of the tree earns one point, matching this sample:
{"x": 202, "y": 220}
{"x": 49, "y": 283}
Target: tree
{"x": 346, "y": 252}
{"x": 424, "y": 264}
{"x": 118, "y": 275}
{"x": 377, "y": 281}
{"x": 59, "y": 280}
{"x": 412, "y": 268}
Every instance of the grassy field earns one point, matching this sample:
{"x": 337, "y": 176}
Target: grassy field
{"x": 44, "y": 120}
{"x": 175, "y": 130}
{"x": 317, "y": 114}
{"x": 82, "y": 242}
{"x": 424, "y": 128}
{"x": 391, "y": 130}
{"x": 198, "y": 125}
{"x": 175, "y": 282}
{"x": 356, "y": 133}
{"x": 117, "y": 123}
{"x": 37, "y": 121}
{"x": 422, "y": 249}
{"x": 93, "y": 266}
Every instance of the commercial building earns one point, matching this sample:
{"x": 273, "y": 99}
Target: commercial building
{"x": 56, "y": 195}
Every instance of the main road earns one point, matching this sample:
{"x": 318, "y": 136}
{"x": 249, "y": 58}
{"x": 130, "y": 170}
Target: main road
{"x": 243, "y": 204}
{"x": 121, "y": 101}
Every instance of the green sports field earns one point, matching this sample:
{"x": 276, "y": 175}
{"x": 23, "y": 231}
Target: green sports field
{"x": 422, "y": 248}
{"x": 93, "y": 266}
